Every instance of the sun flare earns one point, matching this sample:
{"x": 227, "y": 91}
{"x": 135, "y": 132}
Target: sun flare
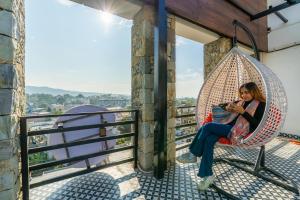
{"x": 107, "y": 18}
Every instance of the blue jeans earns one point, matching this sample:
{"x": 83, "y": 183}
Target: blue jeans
{"x": 204, "y": 142}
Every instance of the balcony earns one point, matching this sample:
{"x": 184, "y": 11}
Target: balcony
{"x": 124, "y": 181}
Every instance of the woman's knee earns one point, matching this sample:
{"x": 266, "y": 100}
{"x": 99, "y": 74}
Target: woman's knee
{"x": 208, "y": 126}
{"x": 211, "y": 140}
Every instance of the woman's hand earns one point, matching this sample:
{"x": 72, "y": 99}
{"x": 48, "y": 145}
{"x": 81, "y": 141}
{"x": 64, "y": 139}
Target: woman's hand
{"x": 235, "y": 108}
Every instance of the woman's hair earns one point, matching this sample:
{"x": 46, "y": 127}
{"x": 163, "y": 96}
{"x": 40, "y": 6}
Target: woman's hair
{"x": 253, "y": 90}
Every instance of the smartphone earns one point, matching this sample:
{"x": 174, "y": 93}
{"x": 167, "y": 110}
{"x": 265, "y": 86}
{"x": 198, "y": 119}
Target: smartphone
{"x": 223, "y": 105}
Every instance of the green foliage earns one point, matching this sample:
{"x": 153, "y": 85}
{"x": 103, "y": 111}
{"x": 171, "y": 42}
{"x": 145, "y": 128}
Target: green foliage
{"x": 58, "y": 112}
{"x": 37, "y": 158}
{"x": 123, "y": 140}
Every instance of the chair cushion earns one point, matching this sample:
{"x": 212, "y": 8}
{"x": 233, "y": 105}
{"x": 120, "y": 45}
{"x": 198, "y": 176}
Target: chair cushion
{"x": 219, "y": 114}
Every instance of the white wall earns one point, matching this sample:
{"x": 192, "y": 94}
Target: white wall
{"x": 286, "y": 62}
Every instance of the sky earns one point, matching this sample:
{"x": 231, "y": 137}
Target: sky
{"x": 74, "y": 47}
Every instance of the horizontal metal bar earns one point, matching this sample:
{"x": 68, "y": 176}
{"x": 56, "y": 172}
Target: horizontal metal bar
{"x": 76, "y": 114}
{"x": 77, "y": 158}
{"x": 183, "y": 146}
{"x": 187, "y": 115}
{"x": 280, "y": 16}
{"x": 180, "y": 107}
{"x": 186, "y": 125}
{"x": 75, "y": 128}
{"x": 184, "y": 136}
{"x": 274, "y": 9}
{"x": 77, "y": 118}
{"x": 48, "y": 181}
{"x": 80, "y": 142}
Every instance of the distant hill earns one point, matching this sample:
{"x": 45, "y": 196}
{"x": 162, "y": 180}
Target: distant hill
{"x": 55, "y": 91}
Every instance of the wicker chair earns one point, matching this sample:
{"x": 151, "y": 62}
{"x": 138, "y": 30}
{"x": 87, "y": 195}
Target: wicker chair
{"x": 222, "y": 86}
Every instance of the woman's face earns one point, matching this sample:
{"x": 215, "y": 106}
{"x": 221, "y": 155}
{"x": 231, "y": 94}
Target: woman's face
{"x": 245, "y": 94}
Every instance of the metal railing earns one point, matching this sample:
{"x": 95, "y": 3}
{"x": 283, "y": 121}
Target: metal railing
{"x": 25, "y": 150}
{"x": 185, "y": 112}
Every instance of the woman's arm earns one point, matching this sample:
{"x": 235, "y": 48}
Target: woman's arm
{"x": 255, "y": 120}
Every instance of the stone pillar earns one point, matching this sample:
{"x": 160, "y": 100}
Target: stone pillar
{"x": 12, "y": 95}
{"x": 142, "y": 82}
{"x": 142, "y": 85}
{"x": 214, "y": 52}
{"x": 171, "y": 47}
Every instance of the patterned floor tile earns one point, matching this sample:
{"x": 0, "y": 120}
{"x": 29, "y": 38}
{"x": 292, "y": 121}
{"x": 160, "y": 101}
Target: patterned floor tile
{"x": 180, "y": 182}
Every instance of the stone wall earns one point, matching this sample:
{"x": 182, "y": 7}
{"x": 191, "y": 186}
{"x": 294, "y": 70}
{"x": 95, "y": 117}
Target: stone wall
{"x": 12, "y": 97}
{"x": 214, "y": 52}
{"x": 142, "y": 83}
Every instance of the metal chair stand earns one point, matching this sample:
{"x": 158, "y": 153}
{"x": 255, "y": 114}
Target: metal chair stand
{"x": 257, "y": 169}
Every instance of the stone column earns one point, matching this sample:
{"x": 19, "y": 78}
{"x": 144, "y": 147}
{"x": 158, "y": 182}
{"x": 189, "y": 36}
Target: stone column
{"x": 171, "y": 47}
{"x": 12, "y": 35}
{"x": 142, "y": 84}
{"x": 214, "y": 52}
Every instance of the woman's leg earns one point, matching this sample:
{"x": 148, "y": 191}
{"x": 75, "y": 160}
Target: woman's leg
{"x": 197, "y": 144}
{"x": 207, "y": 157}
{"x": 220, "y": 130}
{"x": 215, "y": 131}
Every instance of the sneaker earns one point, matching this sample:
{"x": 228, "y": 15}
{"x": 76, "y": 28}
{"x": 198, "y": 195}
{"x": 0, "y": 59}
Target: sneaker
{"x": 208, "y": 181}
{"x": 187, "y": 158}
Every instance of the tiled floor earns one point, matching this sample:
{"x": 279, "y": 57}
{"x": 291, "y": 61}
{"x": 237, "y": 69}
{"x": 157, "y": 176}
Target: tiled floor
{"x": 122, "y": 182}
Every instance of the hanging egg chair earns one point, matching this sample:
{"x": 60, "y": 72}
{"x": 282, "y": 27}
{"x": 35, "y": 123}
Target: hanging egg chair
{"x": 222, "y": 85}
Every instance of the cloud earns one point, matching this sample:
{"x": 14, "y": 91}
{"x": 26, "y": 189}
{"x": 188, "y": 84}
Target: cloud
{"x": 66, "y": 2}
{"x": 189, "y": 74}
{"x": 125, "y": 23}
{"x": 180, "y": 41}
{"x": 189, "y": 88}
{"x": 189, "y": 82}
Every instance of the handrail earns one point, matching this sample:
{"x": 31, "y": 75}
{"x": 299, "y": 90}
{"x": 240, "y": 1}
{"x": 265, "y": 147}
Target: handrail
{"x": 83, "y": 113}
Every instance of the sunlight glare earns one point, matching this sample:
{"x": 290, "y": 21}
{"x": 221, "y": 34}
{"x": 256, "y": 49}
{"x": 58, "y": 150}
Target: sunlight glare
{"x": 107, "y": 18}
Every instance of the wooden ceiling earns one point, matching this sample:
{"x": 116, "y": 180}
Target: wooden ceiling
{"x": 217, "y": 16}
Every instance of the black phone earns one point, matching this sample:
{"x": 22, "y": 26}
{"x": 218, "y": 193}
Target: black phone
{"x": 223, "y": 105}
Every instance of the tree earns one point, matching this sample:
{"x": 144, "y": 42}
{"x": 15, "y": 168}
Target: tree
{"x": 60, "y": 99}
{"x": 79, "y": 96}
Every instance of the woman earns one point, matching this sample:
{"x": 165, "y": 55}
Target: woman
{"x": 245, "y": 117}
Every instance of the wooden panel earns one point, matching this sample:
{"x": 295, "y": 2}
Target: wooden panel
{"x": 217, "y": 15}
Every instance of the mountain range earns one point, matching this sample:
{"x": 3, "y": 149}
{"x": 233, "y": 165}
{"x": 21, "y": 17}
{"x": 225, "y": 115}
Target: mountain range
{"x": 56, "y": 91}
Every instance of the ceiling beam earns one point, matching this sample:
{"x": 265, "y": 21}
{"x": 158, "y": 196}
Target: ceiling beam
{"x": 239, "y": 7}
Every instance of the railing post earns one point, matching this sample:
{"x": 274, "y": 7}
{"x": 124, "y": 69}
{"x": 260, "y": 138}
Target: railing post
{"x": 24, "y": 158}
{"x": 136, "y": 138}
